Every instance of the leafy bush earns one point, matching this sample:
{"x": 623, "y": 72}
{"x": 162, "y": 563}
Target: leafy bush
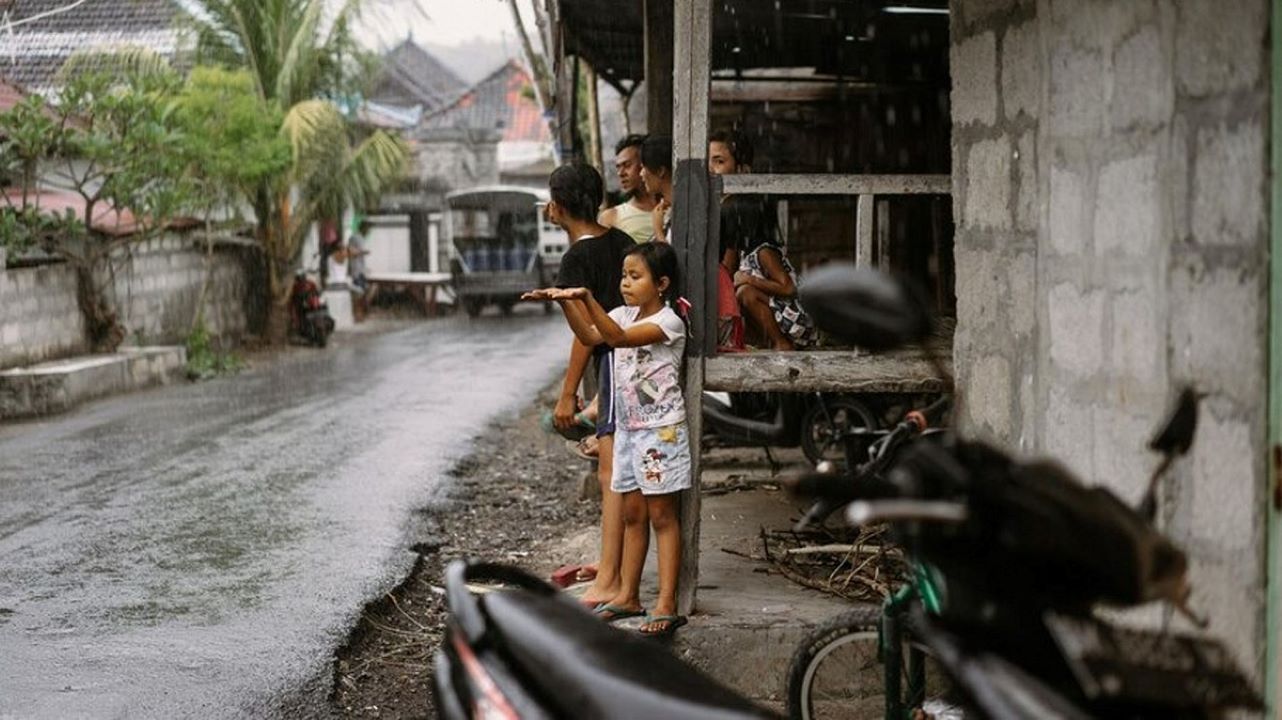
{"x": 204, "y": 361}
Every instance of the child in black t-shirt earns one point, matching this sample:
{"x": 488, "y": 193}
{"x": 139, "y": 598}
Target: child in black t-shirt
{"x": 594, "y": 261}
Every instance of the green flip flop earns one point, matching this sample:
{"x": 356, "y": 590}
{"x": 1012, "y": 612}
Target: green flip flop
{"x": 673, "y": 622}
{"x": 610, "y": 613}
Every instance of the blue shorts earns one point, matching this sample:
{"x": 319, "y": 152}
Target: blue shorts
{"x": 605, "y": 394}
{"x": 655, "y": 461}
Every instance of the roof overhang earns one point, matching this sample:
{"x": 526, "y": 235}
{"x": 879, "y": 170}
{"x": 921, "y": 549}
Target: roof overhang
{"x": 856, "y": 40}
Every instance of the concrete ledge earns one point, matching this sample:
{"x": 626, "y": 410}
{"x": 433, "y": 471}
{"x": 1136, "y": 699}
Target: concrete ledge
{"x": 58, "y": 386}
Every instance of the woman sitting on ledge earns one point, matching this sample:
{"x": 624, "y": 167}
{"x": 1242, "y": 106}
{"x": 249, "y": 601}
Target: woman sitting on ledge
{"x": 767, "y": 290}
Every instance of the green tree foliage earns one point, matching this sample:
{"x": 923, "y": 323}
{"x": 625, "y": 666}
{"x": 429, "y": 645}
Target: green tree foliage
{"x": 307, "y": 61}
{"x": 231, "y": 137}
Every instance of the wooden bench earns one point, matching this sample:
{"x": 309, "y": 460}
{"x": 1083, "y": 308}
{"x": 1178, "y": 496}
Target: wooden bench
{"x": 421, "y": 286}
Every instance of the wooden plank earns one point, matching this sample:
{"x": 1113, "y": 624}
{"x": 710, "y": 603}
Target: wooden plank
{"x": 689, "y": 101}
{"x": 825, "y": 371}
{"x": 864, "y": 230}
{"x": 763, "y": 183}
{"x": 659, "y": 26}
{"x": 711, "y": 262}
{"x": 881, "y": 227}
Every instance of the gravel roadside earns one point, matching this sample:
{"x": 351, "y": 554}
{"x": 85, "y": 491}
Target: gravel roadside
{"x": 513, "y": 499}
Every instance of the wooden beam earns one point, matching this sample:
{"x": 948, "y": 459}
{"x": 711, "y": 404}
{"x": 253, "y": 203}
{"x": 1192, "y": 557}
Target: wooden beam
{"x": 594, "y": 119}
{"x": 659, "y": 27}
{"x": 687, "y": 101}
{"x": 864, "y": 230}
{"x": 762, "y": 183}
{"x": 825, "y": 371}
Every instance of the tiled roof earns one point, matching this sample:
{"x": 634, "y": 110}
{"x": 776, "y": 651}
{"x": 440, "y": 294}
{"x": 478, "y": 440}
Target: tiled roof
{"x": 412, "y": 76}
{"x": 502, "y": 101}
{"x": 32, "y": 56}
{"x": 56, "y": 202}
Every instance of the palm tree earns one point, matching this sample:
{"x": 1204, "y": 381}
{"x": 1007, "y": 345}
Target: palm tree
{"x": 302, "y": 59}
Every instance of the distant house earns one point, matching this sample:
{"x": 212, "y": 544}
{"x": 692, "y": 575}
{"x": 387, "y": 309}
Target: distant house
{"x": 33, "y": 51}
{"x": 492, "y": 133}
{"x": 412, "y": 78}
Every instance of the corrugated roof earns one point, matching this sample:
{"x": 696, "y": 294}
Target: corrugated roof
{"x": 503, "y": 101}
{"x": 33, "y": 54}
{"x": 413, "y": 76}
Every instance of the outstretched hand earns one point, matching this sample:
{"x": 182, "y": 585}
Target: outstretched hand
{"x": 557, "y": 294}
{"x": 538, "y": 295}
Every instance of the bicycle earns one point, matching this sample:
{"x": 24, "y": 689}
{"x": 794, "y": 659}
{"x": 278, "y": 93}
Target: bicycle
{"x": 825, "y": 672}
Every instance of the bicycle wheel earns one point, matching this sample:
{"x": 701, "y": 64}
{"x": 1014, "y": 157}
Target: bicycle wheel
{"x": 835, "y": 672}
{"x": 825, "y": 426}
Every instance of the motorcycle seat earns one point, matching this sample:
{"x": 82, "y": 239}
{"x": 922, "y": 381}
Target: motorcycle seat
{"x": 587, "y": 669}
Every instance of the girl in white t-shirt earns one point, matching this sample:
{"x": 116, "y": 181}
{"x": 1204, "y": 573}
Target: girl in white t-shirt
{"x": 651, "y": 446}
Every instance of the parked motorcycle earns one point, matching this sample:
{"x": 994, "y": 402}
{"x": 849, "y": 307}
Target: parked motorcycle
{"x": 822, "y": 424}
{"x": 1010, "y": 560}
{"x": 534, "y": 653}
{"x": 309, "y": 316}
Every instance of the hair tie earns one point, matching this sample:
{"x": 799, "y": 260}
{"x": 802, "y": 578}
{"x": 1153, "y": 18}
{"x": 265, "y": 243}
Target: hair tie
{"x": 683, "y": 306}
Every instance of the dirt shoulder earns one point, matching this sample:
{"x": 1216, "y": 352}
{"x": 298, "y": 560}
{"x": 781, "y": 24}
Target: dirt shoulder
{"x": 512, "y": 500}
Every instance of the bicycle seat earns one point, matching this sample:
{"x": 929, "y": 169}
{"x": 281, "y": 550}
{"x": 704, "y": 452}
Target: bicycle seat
{"x": 587, "y": 669}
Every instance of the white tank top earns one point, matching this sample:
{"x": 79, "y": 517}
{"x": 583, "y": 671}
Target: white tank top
{"x": 634, "y": 221}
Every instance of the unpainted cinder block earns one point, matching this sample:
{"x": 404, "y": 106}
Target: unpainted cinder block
{"x": 1216, "y": 332}
{"x": 1143, "y": 84}
{"x": 1228, "y": 185}
{"x": 1219, "y": 46}
{"x": 1128, "y": 207}
{"x": 1022, "y": 70}
{"x": 1226, "y": 475}
{"x": 1076, "y": 329}
{"x": 987, "y": 199}
{"x": 973, "y": 64}
{"x": 1069, "y": 232}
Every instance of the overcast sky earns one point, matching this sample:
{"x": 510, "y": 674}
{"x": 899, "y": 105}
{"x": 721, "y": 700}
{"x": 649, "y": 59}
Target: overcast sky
{"x": 445, "y": 22}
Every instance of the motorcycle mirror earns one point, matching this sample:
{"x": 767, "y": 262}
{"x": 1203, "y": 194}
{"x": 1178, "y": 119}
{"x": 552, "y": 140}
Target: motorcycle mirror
{"x": 1176, "y": 436}
{"x": 1174, "y": 440}
{"x": 864, "y": 307}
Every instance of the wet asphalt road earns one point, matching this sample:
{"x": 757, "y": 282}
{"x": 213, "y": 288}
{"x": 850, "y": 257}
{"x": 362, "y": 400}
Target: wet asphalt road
{"x": 202, "y": 550}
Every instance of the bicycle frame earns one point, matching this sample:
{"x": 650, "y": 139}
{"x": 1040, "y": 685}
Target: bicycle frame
{"x": 890, "y": 641}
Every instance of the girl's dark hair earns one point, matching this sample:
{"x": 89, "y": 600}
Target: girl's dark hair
{"x": 661, "y": 260}
{"x": 656, "y": 153}
{"x": 578, "y": 189}
{"x": 737, "y": 143}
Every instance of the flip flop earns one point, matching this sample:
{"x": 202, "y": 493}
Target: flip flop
{"x": 576, "y": 449}
{"x": 615, "y": 612}
{"x": 583, "y": 426}
{"x": 673, "y": 621}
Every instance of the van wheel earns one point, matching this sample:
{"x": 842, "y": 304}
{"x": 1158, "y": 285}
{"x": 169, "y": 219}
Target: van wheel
{"x": 505, "y": 306}
{"x": 473, "y": 306}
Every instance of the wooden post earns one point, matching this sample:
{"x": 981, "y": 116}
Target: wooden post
{"x": 594, "y": 119}
{"x": 567, "y": 109}
{"x": 864, "y": 230}
{"x": 694, "y": 216}
{"x": 659, "y": 26}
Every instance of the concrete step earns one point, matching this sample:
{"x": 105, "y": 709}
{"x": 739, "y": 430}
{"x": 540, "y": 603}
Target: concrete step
{"x": 59, "y": 385}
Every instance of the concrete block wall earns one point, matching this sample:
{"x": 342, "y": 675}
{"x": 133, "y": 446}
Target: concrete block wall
{"x": 40, "y": 318}
{"x": 1110, "y": 164}
{"x": 156, "y": 285}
